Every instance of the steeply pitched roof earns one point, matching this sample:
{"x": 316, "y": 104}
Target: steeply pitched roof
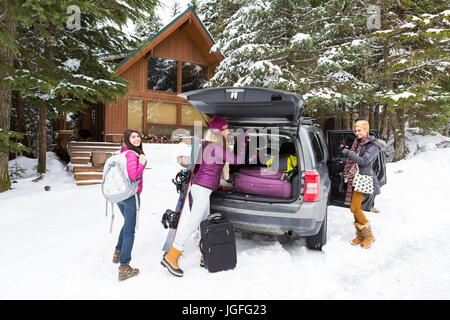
{"x": 161, "y": 35}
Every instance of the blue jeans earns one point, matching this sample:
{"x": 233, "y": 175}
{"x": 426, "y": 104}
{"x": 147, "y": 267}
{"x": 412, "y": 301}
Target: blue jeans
{"x": 126, "y": 237}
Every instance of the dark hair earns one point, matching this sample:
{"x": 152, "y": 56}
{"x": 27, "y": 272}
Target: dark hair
{"x": 126, "y": 140}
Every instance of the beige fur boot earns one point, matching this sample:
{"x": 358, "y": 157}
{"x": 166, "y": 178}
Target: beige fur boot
{"x": 368, "y": 237}
{"x": 359, "y": 237}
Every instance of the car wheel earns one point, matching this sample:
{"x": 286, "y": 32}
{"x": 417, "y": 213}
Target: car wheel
{"x": 317, "y": 241}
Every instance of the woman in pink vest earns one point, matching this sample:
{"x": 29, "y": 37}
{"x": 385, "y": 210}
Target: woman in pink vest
{"x": 214, "y": 155}
{"x": 136, "y": 162}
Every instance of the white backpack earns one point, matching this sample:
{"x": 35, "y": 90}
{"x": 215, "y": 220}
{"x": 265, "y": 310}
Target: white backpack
{"x": 116, "y": 185}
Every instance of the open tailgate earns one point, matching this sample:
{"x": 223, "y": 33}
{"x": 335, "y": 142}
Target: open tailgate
{"x": 247, "y": 104}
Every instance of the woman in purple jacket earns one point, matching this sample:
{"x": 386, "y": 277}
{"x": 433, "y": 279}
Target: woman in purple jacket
{"x": 136, "y": 162}
{"x": 214, "y": 156}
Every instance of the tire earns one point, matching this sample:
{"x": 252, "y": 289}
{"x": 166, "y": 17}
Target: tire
{"x": 317, "y": 241}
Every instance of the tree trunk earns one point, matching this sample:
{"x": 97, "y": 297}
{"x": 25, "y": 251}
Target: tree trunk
{"x": 388, "y": 125}
{"x": 371, "y": 120}
{"x": 5, "y": 108}
{"x": 363, "y": 111}
{"x": 396, "y": 121}
{"x": 42, "y": 127}
{"x": 376, "y": 116}
{"x": 384, "y": 124}
{"x": 351, "y": 120}
{"x": 398, "y": 129}
{"x": 21, "y": 126}
{"x": 42, "y": 157}
{"x": 8, "y": 28}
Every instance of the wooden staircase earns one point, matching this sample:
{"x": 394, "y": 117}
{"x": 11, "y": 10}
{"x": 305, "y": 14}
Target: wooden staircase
{"x": 80, "y": 160}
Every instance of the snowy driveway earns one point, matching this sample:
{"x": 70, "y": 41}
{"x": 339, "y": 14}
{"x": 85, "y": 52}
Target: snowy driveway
{"x": 57, "y": 246}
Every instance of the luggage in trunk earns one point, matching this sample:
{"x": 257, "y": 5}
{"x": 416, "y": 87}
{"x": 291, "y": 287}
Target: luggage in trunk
{"x": 263, "y": 182}
{"x": 218, "y": 243}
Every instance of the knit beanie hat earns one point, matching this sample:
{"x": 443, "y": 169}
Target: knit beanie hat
{"x": 218, "y": 123}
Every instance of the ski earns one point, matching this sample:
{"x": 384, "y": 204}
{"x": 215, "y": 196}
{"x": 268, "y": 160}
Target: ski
{"x": 171, "y": 218}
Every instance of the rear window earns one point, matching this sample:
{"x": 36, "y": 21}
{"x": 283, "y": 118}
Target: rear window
{"x": 316, "y": 146}
{"x": 266, "y": 145}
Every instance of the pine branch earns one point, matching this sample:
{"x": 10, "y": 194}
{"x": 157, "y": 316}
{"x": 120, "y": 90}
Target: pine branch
{"x": 428, "y": 63}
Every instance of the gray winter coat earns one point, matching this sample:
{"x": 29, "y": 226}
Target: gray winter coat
{"x": 367, "y": 156}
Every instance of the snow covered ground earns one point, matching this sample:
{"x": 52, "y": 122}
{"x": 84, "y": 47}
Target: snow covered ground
{"x": 56, "y": 245}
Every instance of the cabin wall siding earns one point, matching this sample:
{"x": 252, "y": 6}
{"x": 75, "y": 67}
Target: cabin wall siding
{"x": 179, "y": 46}
{"x": 116, "y": 117}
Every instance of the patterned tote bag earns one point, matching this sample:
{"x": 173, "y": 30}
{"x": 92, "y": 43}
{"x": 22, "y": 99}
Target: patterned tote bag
{"x": 362, "y": 183}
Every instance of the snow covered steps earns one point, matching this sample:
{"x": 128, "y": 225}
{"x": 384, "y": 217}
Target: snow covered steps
{"x": 85, "y": 173}
{"x": 88, "y": 146}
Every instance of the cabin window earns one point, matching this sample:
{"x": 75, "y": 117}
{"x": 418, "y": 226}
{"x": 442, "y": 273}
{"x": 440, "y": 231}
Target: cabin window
{"x": 194, "y": 76}
{"x": 189, "y": 114}
{"x": 135, "y": 114}
{"x": 161, "y": 113}
{"x": 162, "y": 74}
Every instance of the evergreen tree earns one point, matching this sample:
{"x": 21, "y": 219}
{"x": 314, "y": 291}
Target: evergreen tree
{"x": 148, "y": 27}
{"x": 415, "y": 65}
{"x": 193, "y": 4}
{"x": 175, "y": 9}
{"x": 253, "y": 45}
{"x": 334, "y": 81}
{"x": 56, "y": 61}
{"x": 8, "y": 24}
{"x": 329, "y": 52}
{"x": 214, "y": 13}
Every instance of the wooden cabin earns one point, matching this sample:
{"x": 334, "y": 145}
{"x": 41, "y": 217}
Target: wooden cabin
{"x": 175, "y": 60}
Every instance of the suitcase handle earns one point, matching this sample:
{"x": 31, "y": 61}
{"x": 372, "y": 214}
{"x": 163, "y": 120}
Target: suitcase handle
{"x": 200, "y": 245}
{"x": 215, "y": 217}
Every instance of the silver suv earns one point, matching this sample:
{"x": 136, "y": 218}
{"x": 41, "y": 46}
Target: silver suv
{"x": 314, "y": 188}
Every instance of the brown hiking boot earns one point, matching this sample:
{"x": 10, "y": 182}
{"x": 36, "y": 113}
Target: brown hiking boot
{"x": 126, "y": 272}
{"x": 367, "y": 235}
{"x": 116, "y": 257}
{"x": 359, "y": 237}
{"x": 170, "y": 261}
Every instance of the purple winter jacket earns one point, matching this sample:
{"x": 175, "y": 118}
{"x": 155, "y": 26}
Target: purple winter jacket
{"x": 134, "y": 168}
{"x": 213, "y": 159}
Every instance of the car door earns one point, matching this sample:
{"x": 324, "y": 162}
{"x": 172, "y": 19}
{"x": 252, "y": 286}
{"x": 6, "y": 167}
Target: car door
{"x": 337, "y": 162}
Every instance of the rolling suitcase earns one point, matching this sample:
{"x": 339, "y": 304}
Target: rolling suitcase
{"x": 218, "y": 244}
{"x": 257, "y": 181}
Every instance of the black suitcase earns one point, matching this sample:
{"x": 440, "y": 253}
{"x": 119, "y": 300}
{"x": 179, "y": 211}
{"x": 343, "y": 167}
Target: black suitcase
{"x": 218, "y": 244}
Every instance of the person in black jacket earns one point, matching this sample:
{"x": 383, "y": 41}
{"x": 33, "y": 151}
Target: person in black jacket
{"x": 363, "y": 153}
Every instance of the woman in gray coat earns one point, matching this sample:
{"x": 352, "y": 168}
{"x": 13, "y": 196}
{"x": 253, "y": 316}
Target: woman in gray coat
{"x": 363, "y": 153}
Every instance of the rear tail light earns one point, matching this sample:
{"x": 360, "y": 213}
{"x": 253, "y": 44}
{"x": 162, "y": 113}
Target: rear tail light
{"x": 312, "y": 186}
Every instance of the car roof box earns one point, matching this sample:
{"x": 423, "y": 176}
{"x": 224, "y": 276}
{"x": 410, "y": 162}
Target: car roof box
{"x": 247, "y": 104}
